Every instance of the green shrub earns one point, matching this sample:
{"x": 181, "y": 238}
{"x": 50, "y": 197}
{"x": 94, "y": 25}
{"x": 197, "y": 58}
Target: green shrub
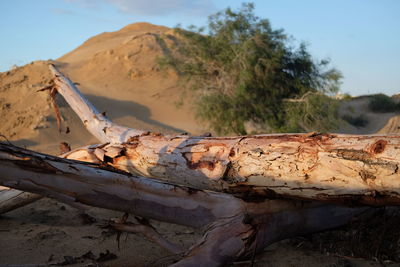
{"x": 317, "y": 112}
{"x": 383, "y": 103}
{"x": 243, "y": 70}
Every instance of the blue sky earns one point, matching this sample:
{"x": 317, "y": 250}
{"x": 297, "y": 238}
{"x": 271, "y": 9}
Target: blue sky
{"x": 361, "y": 37}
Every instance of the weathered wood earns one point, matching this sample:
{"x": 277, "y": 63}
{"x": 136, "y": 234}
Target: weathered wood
{"x": 11, "y": 199}
{"x": 95, "y": 122}
{"x": 88, "y": 183}
{"x": 328, "y": 167}
{"x": 325, "y": 167}
{"x": 359, "y": 169}
{"x": 243, "y": 236}
{"x": 236, "y": 228}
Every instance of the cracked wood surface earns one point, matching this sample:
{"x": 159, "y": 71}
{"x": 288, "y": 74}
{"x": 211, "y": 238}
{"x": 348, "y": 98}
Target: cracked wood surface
{"x": 333, "y": 167}
{"x": 235, "y": 228}
{"x": 87, "y": 183}
{"x": 327, "y": 167}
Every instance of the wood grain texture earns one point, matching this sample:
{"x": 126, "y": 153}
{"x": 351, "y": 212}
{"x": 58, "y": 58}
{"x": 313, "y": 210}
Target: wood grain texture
{"x": 234, "y": 228}
{"x": 327, "y": 167}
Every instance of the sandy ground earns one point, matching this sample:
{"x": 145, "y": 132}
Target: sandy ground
{"x": 383, "y": 123}
{"x": 118, "y": 73}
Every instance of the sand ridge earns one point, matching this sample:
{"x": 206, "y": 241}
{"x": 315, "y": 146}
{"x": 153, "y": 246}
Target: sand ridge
{"x": 117, "y": 72}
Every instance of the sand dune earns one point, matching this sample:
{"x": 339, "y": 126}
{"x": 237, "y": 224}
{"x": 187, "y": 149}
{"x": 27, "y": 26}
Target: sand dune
{"x": 383, "y": 123}
{"x": 392, "y": 126}
{"x": 122, "y": 66}
{"x": 117, "y": 71}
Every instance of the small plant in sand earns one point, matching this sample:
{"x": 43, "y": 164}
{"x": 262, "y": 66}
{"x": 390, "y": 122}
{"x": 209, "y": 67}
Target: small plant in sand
{"x": 244, "y": 71}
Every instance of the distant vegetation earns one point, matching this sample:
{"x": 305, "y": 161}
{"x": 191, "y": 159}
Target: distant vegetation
{"x": 383, "y": 103}
{"x": 379, "y": 103}
{"x": 246, "y": 73}
{"x": 357, "y": 121}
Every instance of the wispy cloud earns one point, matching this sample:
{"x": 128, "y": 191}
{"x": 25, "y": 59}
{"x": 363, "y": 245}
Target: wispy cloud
{"x": 155, "y": 7}
{"x": 62, "y": 11}
{"x": 86, "y": 3}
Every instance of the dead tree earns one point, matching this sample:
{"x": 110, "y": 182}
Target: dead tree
{"x": 11, "y": 199}
{"x": 200, "y": 171}
{"x": 235, "y": 228}
{"x": 333, "y": 167}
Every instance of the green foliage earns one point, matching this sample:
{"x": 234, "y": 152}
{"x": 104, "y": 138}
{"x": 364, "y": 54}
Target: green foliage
{"x": 383, "y": 103}
{"x": 316, "y": 112}
{"x": 359, "y": 121}
{"x": 244, "y": 71}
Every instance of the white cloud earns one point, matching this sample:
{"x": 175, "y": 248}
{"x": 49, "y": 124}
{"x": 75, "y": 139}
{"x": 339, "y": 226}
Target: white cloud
{"x": 155, "y": 7}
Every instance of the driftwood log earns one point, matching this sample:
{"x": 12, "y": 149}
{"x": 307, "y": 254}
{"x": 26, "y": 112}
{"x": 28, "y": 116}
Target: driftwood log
{"x": 11, "y": 199}
{"x": 333, "y": 167}
{"x": 234, "y": 228}
{"x": 200, "y": 171}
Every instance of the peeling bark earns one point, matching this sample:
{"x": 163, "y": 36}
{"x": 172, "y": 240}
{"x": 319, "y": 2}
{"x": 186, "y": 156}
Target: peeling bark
{"x": 236, "y": 228}
{"x": 325, "y": 167}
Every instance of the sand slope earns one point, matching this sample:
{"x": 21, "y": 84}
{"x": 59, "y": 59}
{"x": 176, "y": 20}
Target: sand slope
{"x": 383, "y": 123}
{"x": 118, "y": 73}
{"x": 392, "y": 126}
{"x": 122, "y": 66}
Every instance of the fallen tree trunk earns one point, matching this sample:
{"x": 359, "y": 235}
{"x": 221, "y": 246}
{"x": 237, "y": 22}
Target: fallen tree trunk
{"x": 11, "y": 199}
{"x": 356, "y": 169}
{"x": 324, "y": 167}
{"x": 235, "y": 228}
{"x": 341, "y": 168}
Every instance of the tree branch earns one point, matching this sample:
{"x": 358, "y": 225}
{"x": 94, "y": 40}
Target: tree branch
{"x": 324, "y": 167}
{"x": 95, "y": 122}
{"x": 239, "y": 227}
{"x": 11, "y": 199}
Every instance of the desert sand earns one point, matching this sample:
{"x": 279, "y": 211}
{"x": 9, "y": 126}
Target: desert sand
{"x": 118, "y": 72}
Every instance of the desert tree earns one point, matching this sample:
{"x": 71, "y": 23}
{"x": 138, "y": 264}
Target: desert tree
{"x": 244, "y": 71}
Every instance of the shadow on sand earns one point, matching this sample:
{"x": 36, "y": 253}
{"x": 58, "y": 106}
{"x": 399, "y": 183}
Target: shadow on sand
{"x": 116, "y": 109}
